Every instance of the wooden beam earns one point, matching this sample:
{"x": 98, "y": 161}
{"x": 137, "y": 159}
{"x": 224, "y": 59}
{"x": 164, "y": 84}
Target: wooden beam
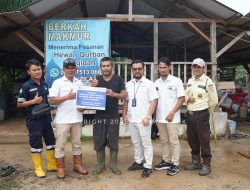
{"x": 154, "y": 70}
{"x": 170, "y": 20}
{"x": 213, "y": 50}
{"x": 200, "y": 32}
{"x": 130, "y": 10}
{"x": 235, "y": 28}
{"x": 22, "y": 37}
{"x": 230, "y": 44}
{"x": 29, "y": 43}
{"x": 186, "y": 63}
{"x": 126, "y": 46}
{"x": 125, "y": 16}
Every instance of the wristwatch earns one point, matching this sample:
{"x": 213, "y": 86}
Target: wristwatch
{"x": 148, "y": 117}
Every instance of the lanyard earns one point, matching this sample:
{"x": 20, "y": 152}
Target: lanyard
{"x": 135, "y": 92}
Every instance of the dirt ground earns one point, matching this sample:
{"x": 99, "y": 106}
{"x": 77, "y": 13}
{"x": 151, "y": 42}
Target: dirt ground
{"x": 230, "y": 169}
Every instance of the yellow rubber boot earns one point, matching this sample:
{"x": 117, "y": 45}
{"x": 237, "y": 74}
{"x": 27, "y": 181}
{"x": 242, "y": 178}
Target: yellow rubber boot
{"x": 51, "y": 160}
{"x": 37, "y": 160}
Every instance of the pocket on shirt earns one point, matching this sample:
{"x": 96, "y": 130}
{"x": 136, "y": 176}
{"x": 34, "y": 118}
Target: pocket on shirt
{"x": 172, "y": 91}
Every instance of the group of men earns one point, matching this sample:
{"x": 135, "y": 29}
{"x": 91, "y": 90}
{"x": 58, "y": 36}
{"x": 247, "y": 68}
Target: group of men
{"x": 142, "y": 99}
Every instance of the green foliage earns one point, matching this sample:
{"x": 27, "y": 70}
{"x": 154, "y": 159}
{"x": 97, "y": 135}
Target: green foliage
{"x": 239, "y": 75}
{"x": 12, "y": 5}
{"x": 6, "y": 80}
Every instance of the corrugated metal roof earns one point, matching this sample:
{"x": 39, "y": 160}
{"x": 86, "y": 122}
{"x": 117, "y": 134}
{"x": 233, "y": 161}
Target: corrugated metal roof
{"x": 216, "y": 8}
{"x": 40, "y": 8}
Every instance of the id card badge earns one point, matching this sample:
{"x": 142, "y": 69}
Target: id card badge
{"x": 134, "y": 102}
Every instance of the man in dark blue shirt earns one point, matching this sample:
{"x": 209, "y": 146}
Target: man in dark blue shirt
{"x": 33, "y": 93}
{"x": 107, "y": 122}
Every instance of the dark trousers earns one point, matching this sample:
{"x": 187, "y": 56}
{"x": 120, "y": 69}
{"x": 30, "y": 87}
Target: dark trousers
{"x": 198, "y": 133}
{"x": 106, "y": 133}
{"x": 38, "y": 129}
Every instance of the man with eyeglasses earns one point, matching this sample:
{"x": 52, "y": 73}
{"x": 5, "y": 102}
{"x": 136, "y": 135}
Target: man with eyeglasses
{"x": 201, "y": 98}
{"x": 138, "y": 109}
{"x": 171, "y": 97}
{"x": 68, "y": 118}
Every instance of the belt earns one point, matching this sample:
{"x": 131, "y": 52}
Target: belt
{"x": 196, "y": 112}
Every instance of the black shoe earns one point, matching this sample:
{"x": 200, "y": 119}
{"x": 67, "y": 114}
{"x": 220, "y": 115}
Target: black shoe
{"x": 135, "y": 166}
{"x": 173, "y": 170}
{"x": 162, "y": 166}
{"x": 146, "y": 172}
{"x": 205, "y": 170}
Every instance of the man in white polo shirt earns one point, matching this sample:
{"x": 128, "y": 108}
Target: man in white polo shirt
{"x": 138, "y": 109}
{"x": 171, "y": 97}
{"x": 68, "y": 117}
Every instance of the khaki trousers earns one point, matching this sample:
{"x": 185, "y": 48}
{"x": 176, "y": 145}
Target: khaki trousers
{"x": 170, "y": 142}
{"x": 62, "y": 132}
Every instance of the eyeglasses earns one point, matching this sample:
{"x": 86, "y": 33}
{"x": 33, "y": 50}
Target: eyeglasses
{"x": 137, "y": 69}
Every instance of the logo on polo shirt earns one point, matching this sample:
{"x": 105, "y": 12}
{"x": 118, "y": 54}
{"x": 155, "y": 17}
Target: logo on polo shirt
{"x": 54, "y": 72}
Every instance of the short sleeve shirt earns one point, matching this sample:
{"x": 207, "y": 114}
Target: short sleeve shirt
{"x": 116, "y": 84}
{"x": 66, "y": 111}
{"x": 204, "y": 91}
{"x": 169, "y": 91}
{"x": 30, "y": 89}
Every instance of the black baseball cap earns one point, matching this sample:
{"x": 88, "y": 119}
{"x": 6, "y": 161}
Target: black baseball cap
{"x": 68, "y": 62}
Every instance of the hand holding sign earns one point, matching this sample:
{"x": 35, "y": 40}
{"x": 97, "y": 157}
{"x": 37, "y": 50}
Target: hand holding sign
{"x": 95, "y": 82}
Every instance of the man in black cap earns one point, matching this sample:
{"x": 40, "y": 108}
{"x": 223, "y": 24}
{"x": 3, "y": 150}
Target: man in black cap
{"x": 68, "y": 117}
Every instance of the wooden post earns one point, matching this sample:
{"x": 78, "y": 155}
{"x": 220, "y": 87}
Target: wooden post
{"x": 154, "y": 68}
{"x": 213, "y": 50}
{"x": 130, "y": 10}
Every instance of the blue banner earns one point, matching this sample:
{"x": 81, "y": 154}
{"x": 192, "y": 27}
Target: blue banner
{"x": 85, "y": 41}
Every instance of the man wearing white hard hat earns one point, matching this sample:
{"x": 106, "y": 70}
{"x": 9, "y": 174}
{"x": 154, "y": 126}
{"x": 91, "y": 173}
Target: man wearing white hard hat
{"x": 201, "y": 98}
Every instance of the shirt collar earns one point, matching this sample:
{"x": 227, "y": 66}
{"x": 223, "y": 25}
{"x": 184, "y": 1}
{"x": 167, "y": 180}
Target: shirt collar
{"x": 143, "y": 79}
{"x": 169, "y": 78}
{"x": 33, "y": 82}
{"x": 66, "y": 79}
{"x": 201, "y": 78}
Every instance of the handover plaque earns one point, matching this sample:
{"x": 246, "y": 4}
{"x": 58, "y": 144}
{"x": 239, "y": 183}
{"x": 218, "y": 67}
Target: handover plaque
{"x": 91, "y": 97}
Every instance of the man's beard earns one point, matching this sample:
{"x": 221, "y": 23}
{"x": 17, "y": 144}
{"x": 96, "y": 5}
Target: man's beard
{"x": 138, "y": 76}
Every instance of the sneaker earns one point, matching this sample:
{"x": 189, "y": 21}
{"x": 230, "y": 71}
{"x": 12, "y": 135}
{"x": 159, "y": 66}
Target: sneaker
{"x": 173, "y": 170}
{"x": 135, "y": 166}
{"x": 146, "y": 172}
{"x": 162, "y": 166}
